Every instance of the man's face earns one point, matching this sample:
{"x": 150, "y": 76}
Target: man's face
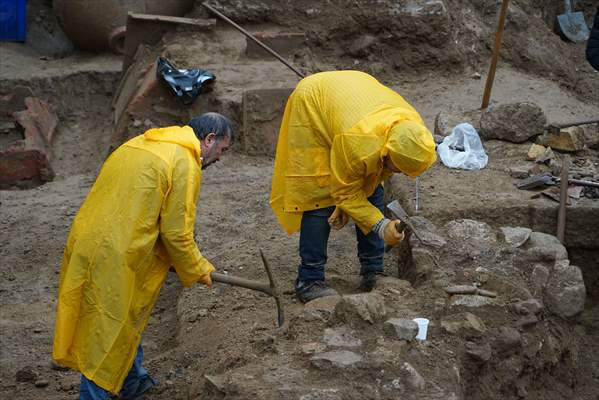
{"x": 390, "y": 166}
{"x": 212, "y": 148}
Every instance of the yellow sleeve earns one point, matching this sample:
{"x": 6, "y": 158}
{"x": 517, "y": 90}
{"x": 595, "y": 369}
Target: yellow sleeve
{"x": 177, "y": 219}
{"x": 348, "y": 171}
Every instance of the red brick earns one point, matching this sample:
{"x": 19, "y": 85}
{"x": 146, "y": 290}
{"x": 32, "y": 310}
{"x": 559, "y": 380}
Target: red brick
{"x": 28, "y": 160}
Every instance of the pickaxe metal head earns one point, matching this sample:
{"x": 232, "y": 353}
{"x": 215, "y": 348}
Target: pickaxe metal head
{"x": 401, "y": 214}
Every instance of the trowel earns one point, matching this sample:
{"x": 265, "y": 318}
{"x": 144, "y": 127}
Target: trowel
{"x": 401, "y": 214}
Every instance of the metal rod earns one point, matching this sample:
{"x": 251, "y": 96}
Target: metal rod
{"x": 563, "y": 197}
{"x": 276, "y": 295}
{"x": 249, "y": 35}
{"x": 495, "y": 55}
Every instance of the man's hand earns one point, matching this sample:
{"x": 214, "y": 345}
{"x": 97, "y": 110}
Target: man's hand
{"x": 205, "y": 280}
{"x": 338, "y": 219}
{"x": 390, "y": 235}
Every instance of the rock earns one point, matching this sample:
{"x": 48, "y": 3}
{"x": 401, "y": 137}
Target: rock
{"x": 413, "y": 378}
{"x": 525, "y": 307}
{"x": 544, "y": 247}
{"x": 335, "y": 359}
{"x": 566, "y": 139}
{"x": 466, "y": 300}
{"x": 539, "y": 278}
{"x": 466, "y": 324}
{"x": 515, "y": 122}
{"x": 480, "y": 353}
{"x": 40, "y": 383}
{"x": 519, "y": 171}
{"x": 535, "y": 151}
{"x": 565, "y": 292}
{"x": 445, "y": 121}
{"x": 547, "y": 157}
{"x": 473, "y": 236}
{"x": 527, "y": 320}
{"x": 460, "y": 289}
{"x": 401, "y": 328}
{"x": 515, "y": 237}
{"x": 215, "y": 383}
{"x": 428, "y": 232}
{"x": 313, "y": 347}
{"x": 341, "y": 337}
{"x": 362, "y": 307}
{"x": 506, "y": 339}
{"x": 320, "y": 309}
{"x": 26, "y": 374}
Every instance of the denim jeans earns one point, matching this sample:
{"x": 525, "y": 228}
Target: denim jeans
{"x": 90, "y": 391}
{"x": 314, "y": 236}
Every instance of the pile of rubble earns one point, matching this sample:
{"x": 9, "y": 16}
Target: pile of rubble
{"x": 499, "y": 301}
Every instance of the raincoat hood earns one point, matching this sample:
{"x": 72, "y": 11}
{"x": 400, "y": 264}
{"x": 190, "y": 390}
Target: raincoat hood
{"x": 181, "y": 135}
{"x": 411, "y": 148}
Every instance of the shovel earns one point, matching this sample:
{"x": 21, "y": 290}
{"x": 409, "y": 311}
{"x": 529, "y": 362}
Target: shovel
{"x": 573, "y": 25}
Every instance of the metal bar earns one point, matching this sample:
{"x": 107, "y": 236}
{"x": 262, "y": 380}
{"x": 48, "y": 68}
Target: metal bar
{"x": 276, "y": 295}
{"x": 495, "y": 55}
{"x": 563, "y": 197}
{"x": 249, "y": 35}
{"x": 575, "y": 123}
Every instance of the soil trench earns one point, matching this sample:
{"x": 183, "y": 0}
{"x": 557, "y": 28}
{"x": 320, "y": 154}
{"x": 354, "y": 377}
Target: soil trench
{"x": 222, "y": 342}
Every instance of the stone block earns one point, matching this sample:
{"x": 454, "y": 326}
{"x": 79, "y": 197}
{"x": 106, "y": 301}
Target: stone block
{"x": 335, "y": 359}
{"x": 286, "y": 44}
{"x": 262, "y": 113}
{"x": 565, "y": 292}
{"x": 401, "y": 328}
{"x": 514, "y": 122}
{"x": 515, "y": 236}
{"x": 360, "y": 308}
{"x": 566, "y": 139}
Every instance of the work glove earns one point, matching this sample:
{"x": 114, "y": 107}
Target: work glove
{"x": 338, "y": 219}
{"x": 205, "y": 280}
{"x": 391, "y": 235}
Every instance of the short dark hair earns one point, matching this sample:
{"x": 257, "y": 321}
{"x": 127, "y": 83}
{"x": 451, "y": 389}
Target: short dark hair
{"x": 212, "y": 122}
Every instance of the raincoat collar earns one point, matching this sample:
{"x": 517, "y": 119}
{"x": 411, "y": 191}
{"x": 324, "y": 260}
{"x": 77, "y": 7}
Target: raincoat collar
{"x": 181, "y": 135}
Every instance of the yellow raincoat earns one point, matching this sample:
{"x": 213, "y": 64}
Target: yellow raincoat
{"x": 336, "y": 129}
{"x": 137, "y": 220}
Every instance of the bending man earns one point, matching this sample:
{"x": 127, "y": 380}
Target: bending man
{"x": 343, "y": 133}
{"x": 137, "y": 221}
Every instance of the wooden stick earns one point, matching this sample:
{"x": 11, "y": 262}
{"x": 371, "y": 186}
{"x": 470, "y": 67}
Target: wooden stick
{"x": 495, "y": 56}
{"x": 563, "y": 198}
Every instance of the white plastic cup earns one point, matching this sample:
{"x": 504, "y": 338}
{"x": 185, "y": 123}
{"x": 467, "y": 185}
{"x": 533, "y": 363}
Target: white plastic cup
{"x": 422, "y": 327}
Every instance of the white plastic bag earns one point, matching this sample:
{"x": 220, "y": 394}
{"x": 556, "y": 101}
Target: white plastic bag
{"x": 473, "y": 155}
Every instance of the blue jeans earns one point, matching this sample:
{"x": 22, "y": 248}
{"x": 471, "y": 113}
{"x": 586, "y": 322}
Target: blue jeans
{"x": 314, "y": 236}
{"x": 90, "y": 391}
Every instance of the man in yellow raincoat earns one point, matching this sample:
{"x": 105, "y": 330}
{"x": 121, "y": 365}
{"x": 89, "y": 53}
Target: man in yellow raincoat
{"x": 136, "y": 222}
{"x": 343, "y": 133}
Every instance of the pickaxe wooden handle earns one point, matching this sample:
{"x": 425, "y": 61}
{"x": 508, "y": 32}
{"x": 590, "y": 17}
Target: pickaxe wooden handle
{"x": 267, "y": 288}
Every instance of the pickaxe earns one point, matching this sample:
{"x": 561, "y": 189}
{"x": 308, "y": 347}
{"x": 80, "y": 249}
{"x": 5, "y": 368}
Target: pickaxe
{"x": 268, "y": 288}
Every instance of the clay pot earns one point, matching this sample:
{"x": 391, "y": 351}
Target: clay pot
{"x": 90, "y": 23}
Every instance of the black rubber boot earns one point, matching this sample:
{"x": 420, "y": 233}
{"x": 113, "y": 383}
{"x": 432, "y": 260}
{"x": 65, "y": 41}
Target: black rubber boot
{"x": 307, "y": 291}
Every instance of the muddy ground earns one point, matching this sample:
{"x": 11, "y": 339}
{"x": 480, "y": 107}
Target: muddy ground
{"x": 229, "y": 333}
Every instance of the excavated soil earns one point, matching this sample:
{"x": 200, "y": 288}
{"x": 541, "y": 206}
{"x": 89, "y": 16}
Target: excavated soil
{"x": 230, "y": 333}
